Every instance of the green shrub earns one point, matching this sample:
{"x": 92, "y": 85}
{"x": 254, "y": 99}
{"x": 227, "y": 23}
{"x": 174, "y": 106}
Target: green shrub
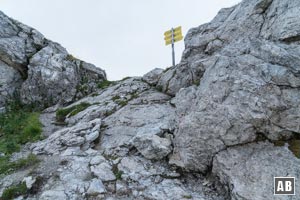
{"x": 61, "y": 114}
{"x": 14, "y": 191}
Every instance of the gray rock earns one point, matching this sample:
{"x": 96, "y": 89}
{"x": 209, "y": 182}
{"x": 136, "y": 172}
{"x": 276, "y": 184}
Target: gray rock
{"x": 50, "y": 75}
{"x": 248, "y": 171}
{"x": 96, "y": 187}
{"x": 148, "y": 118}
{"x": 10, "y": 83}
{"x": 80, "y": 134}
{"x": 56, "y": 77}
{"x": 29, "y": 181}
{"x": 152, "y": 146}
{"x": 103, "y": 171}
{"x": 248, "y": 85}
{"x": 153, "y": 76}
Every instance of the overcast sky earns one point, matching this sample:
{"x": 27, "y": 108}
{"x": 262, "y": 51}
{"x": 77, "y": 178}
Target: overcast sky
{"x": 123, "y": 37}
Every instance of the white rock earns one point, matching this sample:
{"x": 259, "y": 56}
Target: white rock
{"x": 96, "y": 187}
{"x": 103, "y": 171}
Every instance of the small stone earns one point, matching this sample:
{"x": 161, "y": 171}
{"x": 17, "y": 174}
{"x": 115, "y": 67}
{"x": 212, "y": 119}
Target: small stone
{"x": 29, "y": 181}
{"x": 96, "y": 187}
{"x": 103, "y": 171}
{"x": 97, "y": 160}
{"x": 152, "y": 146}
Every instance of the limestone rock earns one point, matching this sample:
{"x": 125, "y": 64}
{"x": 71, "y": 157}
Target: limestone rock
{"x": 248, "y": 85}
{"x": 103, "y": 171}
{"x": 153, "y": 76}
{"x": 55, "y": 77}
{"x": 96, "y": 187}
{"x": 10, "y": 83}
{"x": 80, "y": 134}
{"x": 248, "y": 171}
{"x": 50, "y": 75}
{"x": 139, "y": 117}
{"x": 152, "y": 146}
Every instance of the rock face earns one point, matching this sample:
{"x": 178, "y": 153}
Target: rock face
{"x": 204, "y": 129}
{"x": 249, "y": 81}
{"x": 249, "y": 170}
{"x": 49, "y": 74}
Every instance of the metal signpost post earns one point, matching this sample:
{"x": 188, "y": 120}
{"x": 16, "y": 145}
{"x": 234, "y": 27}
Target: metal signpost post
{"x": 172, "y": 36}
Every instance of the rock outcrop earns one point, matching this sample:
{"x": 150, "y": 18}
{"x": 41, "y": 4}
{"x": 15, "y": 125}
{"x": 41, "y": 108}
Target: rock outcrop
{"x": 47, "y": 74}
{"x": 219, "y": 125}
{"x": 248, "y": 85}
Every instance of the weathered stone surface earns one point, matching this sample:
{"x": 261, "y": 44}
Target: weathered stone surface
{"x": 103, "y": 171}
{"x": 109, "y": 100}
{"x": 10, "y": 82}
{"x": 250, "y": 84}
{"x": 51, "y": 74}
{"x": 248, "y": 171}
{"x": 80, "y": 134}
{"x": 152, "y": 146}
{"x": 153, "y": 76}
{"x": 96, "y": 187}
{"x": 140, "y": 117}
{"x": 55, "y": 77}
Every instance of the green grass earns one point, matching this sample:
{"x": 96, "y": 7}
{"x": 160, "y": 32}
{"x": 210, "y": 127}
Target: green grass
{"x": 61, "y": 114}
{"x": 294, "y": 146}
{"x": 115, "y": 98}
{"x": 14, "y": 191}
{"x": 104, "y": 84}
{"x": 122, "y": 103}
{"x": 7, "y": 167}
{"x": 17, "y": 127}
{"x": 187, "y": 196}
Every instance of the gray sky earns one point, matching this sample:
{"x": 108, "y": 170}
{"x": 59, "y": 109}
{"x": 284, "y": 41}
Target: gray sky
{"x": 123, "y": 37}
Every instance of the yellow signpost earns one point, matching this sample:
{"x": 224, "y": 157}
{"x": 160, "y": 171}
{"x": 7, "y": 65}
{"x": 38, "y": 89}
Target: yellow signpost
{"x": 172, "y": 36}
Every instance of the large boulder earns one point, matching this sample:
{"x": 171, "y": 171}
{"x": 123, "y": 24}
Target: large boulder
{"x": 50, "y": 75}
{"x": 250, "y": 84}
{"x": 54, "y": 76}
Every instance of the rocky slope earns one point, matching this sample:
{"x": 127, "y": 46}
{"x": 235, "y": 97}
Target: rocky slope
{"x": 208, "y": 128}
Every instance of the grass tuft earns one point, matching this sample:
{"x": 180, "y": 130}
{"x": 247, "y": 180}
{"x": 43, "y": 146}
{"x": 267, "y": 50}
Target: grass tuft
{"x": 14, "y": 191}
{"x": 18, "y": 126}
{"x": 104, "y": 84}
{"x": 61, "y": 114}
{"x": 7, "y": 167}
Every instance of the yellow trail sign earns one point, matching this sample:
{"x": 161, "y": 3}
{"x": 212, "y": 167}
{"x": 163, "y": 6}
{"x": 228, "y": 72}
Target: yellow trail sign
{"x": 172, "y": 36}
{"x": 176, "y": 39}
{"x": 175, "y": 34}
{"x": 169, "y": 32}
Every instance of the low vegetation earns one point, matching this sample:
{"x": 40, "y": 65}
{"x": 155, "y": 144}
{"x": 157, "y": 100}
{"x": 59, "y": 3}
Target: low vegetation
{"x": 61, "y": 114}
{"x": 17, "y": 127}
{"x": 7, "y": 167}
{"x": 14, "y": 191}
{"x": 104, "y": 84}
{"x": 293, "y": 145}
